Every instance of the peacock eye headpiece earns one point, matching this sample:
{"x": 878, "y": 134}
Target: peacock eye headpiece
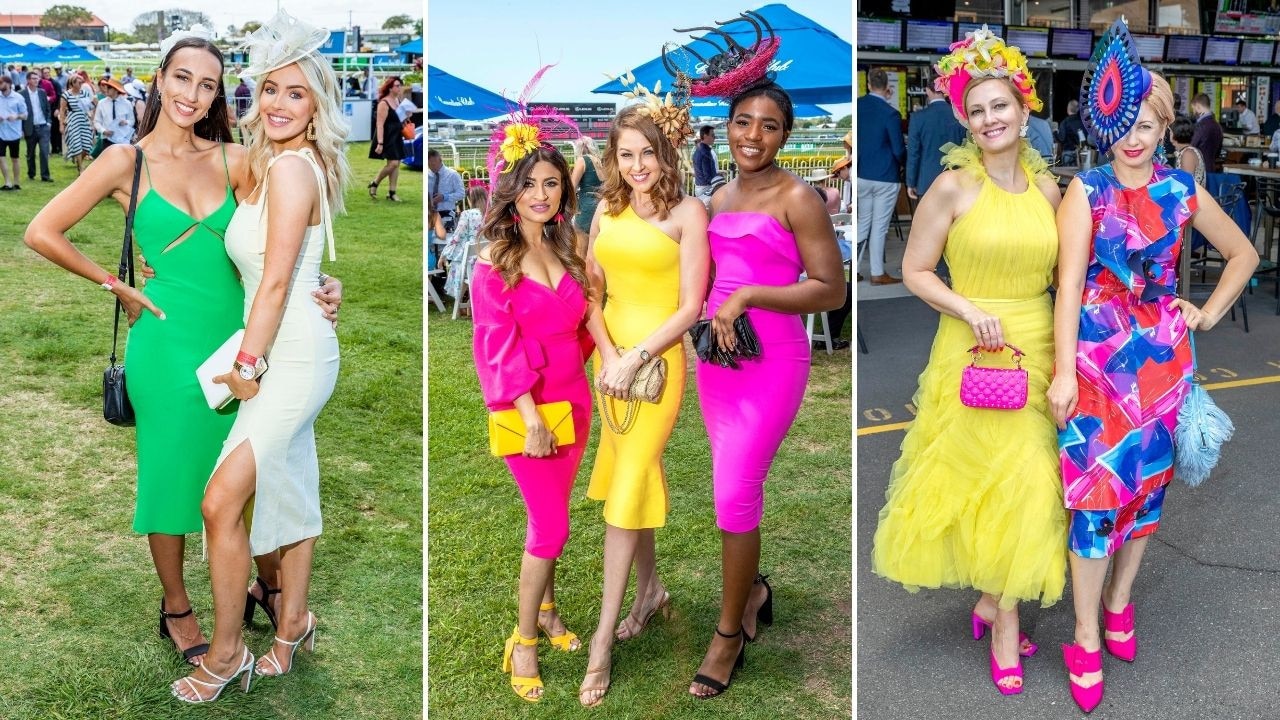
{"x": 1114, "y": 87}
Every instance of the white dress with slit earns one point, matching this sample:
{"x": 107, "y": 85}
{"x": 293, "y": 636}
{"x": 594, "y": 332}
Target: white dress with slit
{"x": 278, "y": 423}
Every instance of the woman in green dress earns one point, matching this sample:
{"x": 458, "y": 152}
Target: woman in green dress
{"x": 193, "y": 174}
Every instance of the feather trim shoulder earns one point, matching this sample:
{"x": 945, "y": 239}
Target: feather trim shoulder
{"x": 968, "y": 157}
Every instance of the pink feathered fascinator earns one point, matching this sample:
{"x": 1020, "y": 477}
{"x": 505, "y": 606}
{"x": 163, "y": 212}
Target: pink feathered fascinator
{"x": 525, "y": 130}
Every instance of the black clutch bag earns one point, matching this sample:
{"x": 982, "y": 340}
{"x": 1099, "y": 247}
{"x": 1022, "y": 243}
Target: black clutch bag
{"x": 116, "y": 408}
{"x": 747, "y": 343}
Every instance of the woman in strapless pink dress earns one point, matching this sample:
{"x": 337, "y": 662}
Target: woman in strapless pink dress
{"x": 768, "y": 228}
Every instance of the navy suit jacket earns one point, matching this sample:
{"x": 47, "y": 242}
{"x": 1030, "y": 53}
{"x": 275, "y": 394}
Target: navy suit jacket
{"x": 29, "y": 123}
{"x": 930, "y": 128}
{"x": 879, "y": 129}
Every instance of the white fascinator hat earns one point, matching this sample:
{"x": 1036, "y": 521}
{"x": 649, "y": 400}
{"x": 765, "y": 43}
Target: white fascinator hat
{"x": 195, "y": 31}
{"x": 280, "y": 41}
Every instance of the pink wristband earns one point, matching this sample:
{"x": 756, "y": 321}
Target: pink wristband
{"x": 245, "y": 358}
{"x": 109, "y": 283}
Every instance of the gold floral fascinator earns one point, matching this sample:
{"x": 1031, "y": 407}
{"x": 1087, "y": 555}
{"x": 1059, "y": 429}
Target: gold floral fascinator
{"x": 280, "y": 41}
{"x": 525, "y": 130}
{"x": 669, "y": 112}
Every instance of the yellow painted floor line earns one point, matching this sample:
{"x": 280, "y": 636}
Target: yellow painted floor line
{"x": 891, "y": 427}
{"x": 1242, "y": 383}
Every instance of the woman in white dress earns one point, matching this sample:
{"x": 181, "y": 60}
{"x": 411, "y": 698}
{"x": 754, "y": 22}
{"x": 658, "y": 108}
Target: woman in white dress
{"x": 288, "y": 360}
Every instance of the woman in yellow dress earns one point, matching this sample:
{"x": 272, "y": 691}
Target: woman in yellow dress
{"x": 975, "y": 499}
{"x": 648, "y": 250}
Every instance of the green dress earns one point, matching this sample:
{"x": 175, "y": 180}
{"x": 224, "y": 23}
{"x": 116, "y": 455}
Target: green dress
{"x": 197, "y": 287}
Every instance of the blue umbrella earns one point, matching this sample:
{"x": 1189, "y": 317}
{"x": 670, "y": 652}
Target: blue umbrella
{"x": 449, "y": 97}
{"x": 813, "y": 63}
{"x": 68, "y": 51}
{"x": 413, "y": 47}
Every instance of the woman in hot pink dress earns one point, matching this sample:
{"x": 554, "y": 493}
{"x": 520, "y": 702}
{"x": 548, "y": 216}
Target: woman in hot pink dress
{"x": 767, "y": 229}
{"x": 530, "y": 307}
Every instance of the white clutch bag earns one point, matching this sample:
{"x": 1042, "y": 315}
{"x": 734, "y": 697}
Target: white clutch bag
{"x": 219, "y": 395}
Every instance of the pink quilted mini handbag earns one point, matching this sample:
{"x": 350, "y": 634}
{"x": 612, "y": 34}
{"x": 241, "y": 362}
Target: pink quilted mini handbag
{"x": 994, "y": 388}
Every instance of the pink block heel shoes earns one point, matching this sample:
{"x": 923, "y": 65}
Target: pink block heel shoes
{"x": 999, "y": 674}
{"x": 1121, "y": 622}
{"x": 1026, "y": 648}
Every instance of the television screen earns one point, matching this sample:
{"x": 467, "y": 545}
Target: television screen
{"x": 1221, "y": 51}
{"x": 1072, "y": 44}
{"x": 1032, "y": 41}
{"x": 1183, "y": 49}
{"x": 1150, "y": 47}
{"x": 967, "y": 27}
{"x": 1257, "y": 52}
{"x": 878, "y": 34}
{"x": 933, "y": 36}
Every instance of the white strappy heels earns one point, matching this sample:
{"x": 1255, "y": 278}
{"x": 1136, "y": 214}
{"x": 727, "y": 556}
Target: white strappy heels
{"x": 308, "y": 637}
{"x": 246, "y": 678}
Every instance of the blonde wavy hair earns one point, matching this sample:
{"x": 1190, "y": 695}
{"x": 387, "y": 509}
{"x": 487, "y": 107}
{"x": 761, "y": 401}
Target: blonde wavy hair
{"x": 331, "y": 129}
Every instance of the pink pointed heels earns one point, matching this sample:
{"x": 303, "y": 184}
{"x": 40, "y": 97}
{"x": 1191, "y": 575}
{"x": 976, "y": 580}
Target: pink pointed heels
{"x": 1026, "y": 648}
{"x": 1079, "y": 662}
{"x": 1119, "y": 623}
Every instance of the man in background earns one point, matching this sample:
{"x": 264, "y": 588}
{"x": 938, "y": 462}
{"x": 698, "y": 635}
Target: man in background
{"x": 931, "y": 127}
{"x": 704, "y": 163}
{"x": 1248, "y": 121}
{"x": 881, "y": 153}
{"x": 1207, "y": 137}
{"x": 1040, "y": 136}
{"x": 36, "y": 127}
{"x": 1071, "y": 134}
{"x": 444, "y": 188}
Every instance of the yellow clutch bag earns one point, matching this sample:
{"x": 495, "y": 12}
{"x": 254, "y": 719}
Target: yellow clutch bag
{"x": 506, "y": 429}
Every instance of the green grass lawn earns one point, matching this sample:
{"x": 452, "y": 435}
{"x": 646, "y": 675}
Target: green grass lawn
{"x": 799, "y": 668}
{"x": 78, "y": 592}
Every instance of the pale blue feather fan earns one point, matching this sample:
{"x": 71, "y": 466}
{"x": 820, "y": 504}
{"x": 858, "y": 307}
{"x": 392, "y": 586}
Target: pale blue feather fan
{"x": 1202, "y": 428}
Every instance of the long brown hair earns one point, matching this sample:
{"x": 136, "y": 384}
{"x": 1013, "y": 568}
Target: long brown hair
{"x": 216, "y": 125}
{"x": 507, "y": 247}
{"x": 615, "y": 191}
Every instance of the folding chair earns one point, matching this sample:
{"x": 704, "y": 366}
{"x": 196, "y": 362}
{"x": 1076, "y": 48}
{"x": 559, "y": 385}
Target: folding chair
{"x": 468, "y": 269}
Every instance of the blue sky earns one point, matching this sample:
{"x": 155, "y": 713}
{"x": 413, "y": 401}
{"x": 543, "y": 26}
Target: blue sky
{"x": 499, "y": 44}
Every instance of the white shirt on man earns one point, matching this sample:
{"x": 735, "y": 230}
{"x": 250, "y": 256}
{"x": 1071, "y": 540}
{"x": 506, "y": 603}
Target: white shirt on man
{"x": 118, "y": 117}
{"x": 1249, "y": 122}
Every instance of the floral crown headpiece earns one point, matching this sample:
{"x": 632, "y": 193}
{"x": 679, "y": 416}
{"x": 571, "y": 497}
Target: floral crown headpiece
{"x": 280, "y": 41}
{"x": 195, "y": 31}
{"x": 670, "y": 112}
{"x": 983, "y": 54}
{"x": 1114, "y": 87}
{"x": 525, "y": 130}
{"x": 735, "y": 67}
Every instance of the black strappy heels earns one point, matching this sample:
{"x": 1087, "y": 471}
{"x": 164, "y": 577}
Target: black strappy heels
{"x": 373, "y": 190}
{"x": 251, "y": 603}
{"x": 190, "y": 652}
{"x": 764, "y": 615}
{"x": 391, "y": 195}
{"x": 717, "y": 686}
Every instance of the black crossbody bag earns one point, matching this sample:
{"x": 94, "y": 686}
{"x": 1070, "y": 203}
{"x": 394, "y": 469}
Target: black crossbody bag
{"x": 116, "y": 407}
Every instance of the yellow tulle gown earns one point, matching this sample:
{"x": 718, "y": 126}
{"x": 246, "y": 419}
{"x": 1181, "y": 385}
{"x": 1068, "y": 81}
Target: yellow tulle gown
{"x": 975, "y": 500}
{"x": 642, "y": 276}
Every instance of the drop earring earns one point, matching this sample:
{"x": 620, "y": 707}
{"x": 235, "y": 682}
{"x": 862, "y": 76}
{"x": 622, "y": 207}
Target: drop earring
{"x": 311, "y": 130}
{"x": 515, "y": 217}
{"x": 1022, "y": 132}
{"x": 559, "y": 217}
